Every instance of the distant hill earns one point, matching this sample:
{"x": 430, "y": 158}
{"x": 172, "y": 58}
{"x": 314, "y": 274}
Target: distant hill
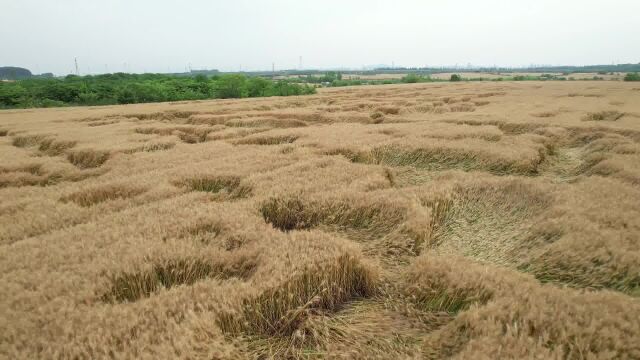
{"x": 14, "y": 73}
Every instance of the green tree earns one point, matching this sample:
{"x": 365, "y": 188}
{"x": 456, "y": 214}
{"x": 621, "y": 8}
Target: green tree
{"x": 455, "y": 77}
{"x": 88, "y": 98}
{"x": 201, "y": 78}
{"x": 148, "y": 92}
{"x": 632, "y": 77}
{"x": 201, "y": 87}
{"x": 257, "y": 86}
{"x": 12, "y": 94}
{"x": 64, "y": 91}
{"x": 126, "y": 95}
{"x": 231, "y": 86}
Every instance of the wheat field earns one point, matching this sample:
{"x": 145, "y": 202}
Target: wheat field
{"x": 441, "y": 220}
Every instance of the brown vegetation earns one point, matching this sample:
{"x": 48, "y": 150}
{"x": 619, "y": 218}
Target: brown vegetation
{"x": 88, "y": 158}
{"x": 100, "y": 194}
{"x": 433, "y": 220}
{"x": 267, "y": 140}
{"x": 225, "y": 185}
{"x": 611, "y": 115}
{"x": 170, "y": 273}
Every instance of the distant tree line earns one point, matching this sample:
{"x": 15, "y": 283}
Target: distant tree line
{"x": 624, "y": 68}
{"x": 336, "y": 79}
{"x": 14, "y": 73}
{"x": 121, "y": 88}
{"x": 18, "y": 73}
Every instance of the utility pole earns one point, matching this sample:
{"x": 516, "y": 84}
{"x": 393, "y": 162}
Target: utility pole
{"x": 300, "y": 64}
{"x": 76, "y": 61}
{"x": 273, "y": 67}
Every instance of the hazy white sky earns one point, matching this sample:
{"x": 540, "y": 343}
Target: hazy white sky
{"x": 163, "y": 35}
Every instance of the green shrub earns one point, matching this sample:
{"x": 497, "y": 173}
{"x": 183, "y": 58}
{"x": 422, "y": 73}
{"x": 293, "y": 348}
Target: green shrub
{"x": 231, "y": 86}
{"x": 415, "y": 78}
{"x": 632, "y": 77}
{"x": 258, "y": 86}
{"x": 455, "y": 77}
{"x": 411, "y": 79}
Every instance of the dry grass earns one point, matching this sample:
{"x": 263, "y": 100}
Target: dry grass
{"x": 268, "y": 140}
{"x": 611, "y": 115}
{"x": 188, "y": 134}
{"x": 25, "y": 175}
{"x": 85, "y": 159}
{"x": 268, "y": 122}
{"x": 279, "y": 312}
{"x": 512, "y": 310}
{"x": 545, "y": 114}
{"x": 295, "y": 213}
{"x": 101, "y": 194}
{"x": 445, "y": 157}
{"x": 27, "y": 140}
{"x": 228, "y": 186}
{"x": 152, "y": 146}
{"x": 54, "y": 147}
{"x": 128, "y": 287}
{"x": 462, "y": 108}
{"x": 435, "y": 220}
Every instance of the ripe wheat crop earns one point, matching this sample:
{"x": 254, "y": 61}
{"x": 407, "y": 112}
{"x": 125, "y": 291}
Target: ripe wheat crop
{"x": 432, "y": 220}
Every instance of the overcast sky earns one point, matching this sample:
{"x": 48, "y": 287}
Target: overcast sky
{"x": 163, "y": 35}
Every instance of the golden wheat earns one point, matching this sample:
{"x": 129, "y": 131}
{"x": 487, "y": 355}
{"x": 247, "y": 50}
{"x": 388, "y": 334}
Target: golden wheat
{"x": 437, "y": 220}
